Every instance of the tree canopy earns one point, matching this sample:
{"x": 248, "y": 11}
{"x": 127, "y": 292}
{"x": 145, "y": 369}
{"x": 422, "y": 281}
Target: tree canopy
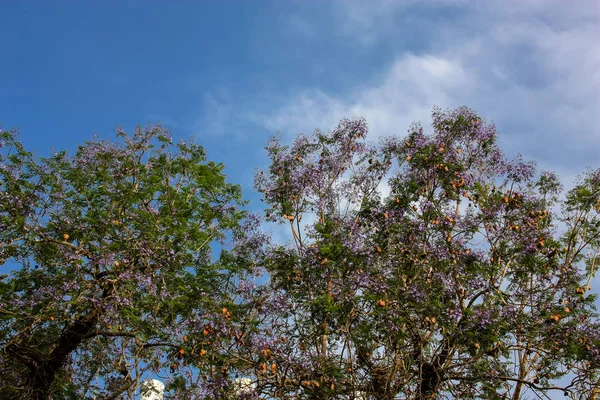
{"x": 467, "y": 278}
{"x": 428, "y": 266}
{"x": 115, "y": 276}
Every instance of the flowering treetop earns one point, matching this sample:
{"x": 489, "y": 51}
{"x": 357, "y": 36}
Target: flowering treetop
{"x": 457, "y": 283}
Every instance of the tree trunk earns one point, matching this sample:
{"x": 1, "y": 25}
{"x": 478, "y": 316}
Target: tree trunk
{"x": 431, "y": 375}
{"x": 429, "y": 382}
{"x": 43, "y": 375}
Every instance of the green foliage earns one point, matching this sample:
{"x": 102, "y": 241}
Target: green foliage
{"x": 111, "y": 262}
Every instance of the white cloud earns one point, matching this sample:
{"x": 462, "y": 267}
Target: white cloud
{"x": 405, "y": 93}
{"x": 532, "y": 66}
{"x": 365, "y": 22}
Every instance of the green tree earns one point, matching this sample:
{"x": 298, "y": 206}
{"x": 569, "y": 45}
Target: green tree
{"x": 112, "y": 275}
{"x": 458, "y": 283}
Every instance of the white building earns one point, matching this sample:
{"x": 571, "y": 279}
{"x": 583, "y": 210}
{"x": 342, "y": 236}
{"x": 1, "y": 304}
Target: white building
{"x": 152, "y": 389}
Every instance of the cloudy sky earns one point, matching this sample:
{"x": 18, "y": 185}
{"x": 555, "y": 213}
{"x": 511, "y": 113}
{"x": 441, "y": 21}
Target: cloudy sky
{"x": 231, "y": 73}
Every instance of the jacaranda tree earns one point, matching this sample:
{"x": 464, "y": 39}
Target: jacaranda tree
{"x": 466, "y": 276}
{"x": 108, "y": 276}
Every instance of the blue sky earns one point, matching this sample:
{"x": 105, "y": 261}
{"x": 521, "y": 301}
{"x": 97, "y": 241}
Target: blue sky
{"x": 230, "y": 73}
